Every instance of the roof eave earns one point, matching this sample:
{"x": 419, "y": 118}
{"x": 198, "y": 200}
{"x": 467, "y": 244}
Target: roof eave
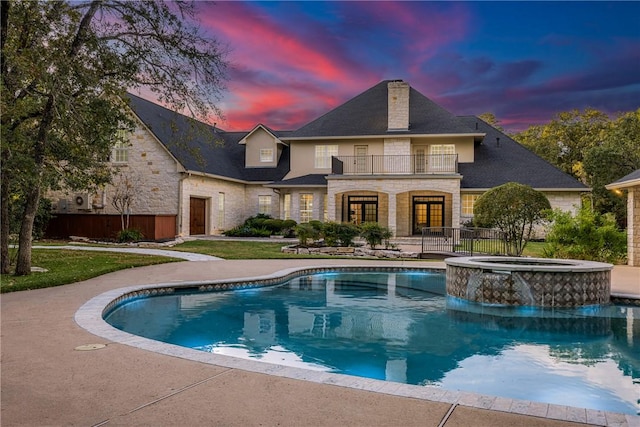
{"x": 623, "y": 184}
{"x": 386, "y": 135}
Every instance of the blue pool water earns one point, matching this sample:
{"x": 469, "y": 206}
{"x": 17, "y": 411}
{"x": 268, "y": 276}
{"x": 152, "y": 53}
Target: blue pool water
{"x": 401, "y": 327}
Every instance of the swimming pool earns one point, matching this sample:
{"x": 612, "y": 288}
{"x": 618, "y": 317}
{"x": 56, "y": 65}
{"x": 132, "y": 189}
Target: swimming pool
{"x": 398, "y": 326}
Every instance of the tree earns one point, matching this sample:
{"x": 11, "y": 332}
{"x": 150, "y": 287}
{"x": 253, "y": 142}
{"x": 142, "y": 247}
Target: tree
{"x": 565, "y": 139}
{"x": 591, "y": 147}
{"x": 514, "y": 209}
{"x": 126, "y": 187}
{"x": 492, "y": 120}
{"x": 65, "y": 67}
{"x": 617, "y": 156}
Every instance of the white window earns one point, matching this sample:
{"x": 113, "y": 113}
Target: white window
{"x": 264, "y": 205}
{"x": 306, "y": 207}
{"x": 468, "y": 200}
{"x": 220, "y": 210}
{"x": 323, "y": 155}
{"x": 287, "y": 206}
{"x": 120, "y": 151}
{"x": 442, "y": 157}
{"x": 266, "y": 154}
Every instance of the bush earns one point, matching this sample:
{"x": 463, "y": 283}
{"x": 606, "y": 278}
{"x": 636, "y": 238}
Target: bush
{"x": 339, "y": 234}
{"x": 588, "y": 236}
{"x": 306, "y": 232}
{"x": 129, "y": 235}
{"x": 262, "y": 225}
{"x": 514, "y": 209}
{"x": 375, "y": 234}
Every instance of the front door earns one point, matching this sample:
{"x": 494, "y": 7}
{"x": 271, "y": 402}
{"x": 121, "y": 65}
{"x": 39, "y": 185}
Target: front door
{"x": 197, "y": 216}
{"x": 428, "y": 211}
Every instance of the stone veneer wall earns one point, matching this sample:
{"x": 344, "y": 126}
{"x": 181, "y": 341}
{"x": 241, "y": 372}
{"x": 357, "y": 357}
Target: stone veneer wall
{"x": 633, "y": 226}
{"x": 157, "y": 174}
{"x": 547, "y": 289}
{"x": 393, "y": 187}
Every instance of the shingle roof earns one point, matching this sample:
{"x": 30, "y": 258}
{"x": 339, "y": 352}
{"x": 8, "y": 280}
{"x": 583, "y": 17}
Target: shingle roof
{"x": 496, "y": 164}
{"x": 315, "y": 180}
{"x": 201, "y": 148}
{"x": 635, "y": 175}
{"x": 366, "y": 114}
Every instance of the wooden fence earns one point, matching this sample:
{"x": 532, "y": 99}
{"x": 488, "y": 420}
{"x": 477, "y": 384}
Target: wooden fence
{"x": 152, "y": 227}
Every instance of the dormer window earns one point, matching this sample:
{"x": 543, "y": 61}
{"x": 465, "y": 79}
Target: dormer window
{"x": 266, "y": 154}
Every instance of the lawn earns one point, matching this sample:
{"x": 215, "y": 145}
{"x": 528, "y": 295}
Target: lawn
{"x": 69, "y": 266}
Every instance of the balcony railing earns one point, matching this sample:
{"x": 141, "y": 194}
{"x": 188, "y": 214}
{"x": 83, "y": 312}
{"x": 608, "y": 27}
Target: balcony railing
{"x": 395, "y": 165}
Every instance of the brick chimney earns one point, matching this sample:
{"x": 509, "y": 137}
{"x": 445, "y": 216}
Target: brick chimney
{"x": 398, "y": 106}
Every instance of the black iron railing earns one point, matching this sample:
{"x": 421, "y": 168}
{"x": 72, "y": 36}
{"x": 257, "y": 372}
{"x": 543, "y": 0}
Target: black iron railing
{"x": 395, "y": 165}
{"x": 463, "y": 241}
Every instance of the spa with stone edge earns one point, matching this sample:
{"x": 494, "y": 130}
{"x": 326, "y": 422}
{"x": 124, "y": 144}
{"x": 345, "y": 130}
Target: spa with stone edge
{"x": 539, "y": 282}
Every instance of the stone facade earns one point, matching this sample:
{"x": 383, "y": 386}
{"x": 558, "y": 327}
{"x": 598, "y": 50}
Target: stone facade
{"x": 633, "y": 226}
{"x": 398, "y": 105}
{"x": 397, "y": 191}
{"x": 153, "y": 171}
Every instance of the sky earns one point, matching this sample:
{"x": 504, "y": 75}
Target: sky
{"x": 522, "y": 61}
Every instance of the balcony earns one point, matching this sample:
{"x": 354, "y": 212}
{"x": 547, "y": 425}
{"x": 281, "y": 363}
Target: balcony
{"x": 395, "y": 165}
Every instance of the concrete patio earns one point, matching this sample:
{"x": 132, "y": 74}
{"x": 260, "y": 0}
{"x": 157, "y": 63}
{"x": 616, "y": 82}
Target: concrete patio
{"x": 46, "y": 381}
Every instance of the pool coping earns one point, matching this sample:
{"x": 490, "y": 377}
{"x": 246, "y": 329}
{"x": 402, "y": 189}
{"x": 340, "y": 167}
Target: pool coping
{"x": 89, "y": 317}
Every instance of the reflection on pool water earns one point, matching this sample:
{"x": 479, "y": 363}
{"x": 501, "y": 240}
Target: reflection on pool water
{"x": 401, "y": 327}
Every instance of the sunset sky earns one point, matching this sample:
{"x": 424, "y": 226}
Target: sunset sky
{"x": 522, "y": 61}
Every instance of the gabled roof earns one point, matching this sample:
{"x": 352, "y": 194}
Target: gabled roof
{"x": 629, "y": 180}
{"x": 199, "y": 147}
{"x": 266, "y": 129}
{"x": 498, "y": 163}
{"x": 367, "y": 113}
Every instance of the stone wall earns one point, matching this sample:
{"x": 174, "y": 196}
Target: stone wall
{"x": 633, "y": 226}
{"x": 150, "y": 167}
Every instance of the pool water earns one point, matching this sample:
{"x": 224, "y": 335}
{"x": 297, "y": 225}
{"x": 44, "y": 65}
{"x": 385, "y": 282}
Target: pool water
{"x": 401, "y": 327}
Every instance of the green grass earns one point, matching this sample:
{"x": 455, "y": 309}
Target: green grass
{"x": 69, "y": 266}
{"x": 232, "y": 249}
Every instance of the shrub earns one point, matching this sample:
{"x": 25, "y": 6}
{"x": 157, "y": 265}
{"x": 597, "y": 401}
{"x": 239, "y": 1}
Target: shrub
{"x": 514, "y": 209}
{"x": 374, "y": 233}
{"x": 262, "y": 225}
{"x": 306, "y": 232}
{"x": 589, "y": 236}
{"x": 339, "y": 234}
{"x": 129, "y": 235}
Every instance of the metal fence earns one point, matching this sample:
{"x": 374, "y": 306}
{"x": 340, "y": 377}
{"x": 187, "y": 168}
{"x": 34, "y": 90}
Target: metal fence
{"x": 463, "y": 241}
{"x": 395, "y": 164}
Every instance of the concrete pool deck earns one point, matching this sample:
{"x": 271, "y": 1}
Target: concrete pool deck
{"x": 46, "y": 381}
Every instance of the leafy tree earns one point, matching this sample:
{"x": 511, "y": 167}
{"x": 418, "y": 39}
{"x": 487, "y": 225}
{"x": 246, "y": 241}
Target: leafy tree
{"x": 565, "y": 139}
{"x": 591, "y": 147}
{"x": 617, "y": 156}
{"x": 587, "y": 235}
{"x": 514, "y": 209}
{"x": 492, "y": 120}
{"x": 65, "y": 66}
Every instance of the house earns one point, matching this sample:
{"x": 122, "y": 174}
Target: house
{"x": 389, "y": 155}
{"x": 631, "y": 183}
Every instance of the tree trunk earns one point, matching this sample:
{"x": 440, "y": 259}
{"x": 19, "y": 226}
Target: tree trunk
{"x": 32, "y": 194}
{"x": 4, "y": 225}
{"x": 23, "y": 264}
